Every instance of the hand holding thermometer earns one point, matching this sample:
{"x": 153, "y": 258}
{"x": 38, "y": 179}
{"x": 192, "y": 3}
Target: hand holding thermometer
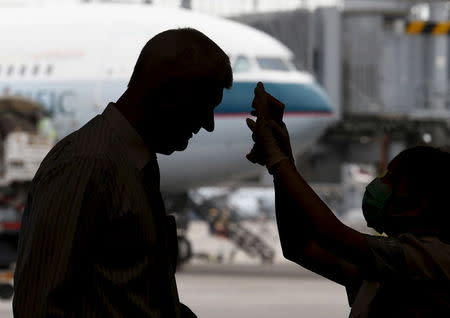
{"x": 267, "y": 107}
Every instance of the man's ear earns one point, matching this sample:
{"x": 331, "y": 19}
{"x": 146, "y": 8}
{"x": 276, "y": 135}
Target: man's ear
{"x": 165, "y": 92}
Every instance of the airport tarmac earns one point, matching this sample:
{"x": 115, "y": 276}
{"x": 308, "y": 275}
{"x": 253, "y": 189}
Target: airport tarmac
{"x": 223, "y": 291}
{"x": 282, "y": 291}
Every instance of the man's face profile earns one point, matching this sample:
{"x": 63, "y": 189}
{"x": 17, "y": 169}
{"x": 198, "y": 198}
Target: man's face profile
{"x": 182, "y": 111}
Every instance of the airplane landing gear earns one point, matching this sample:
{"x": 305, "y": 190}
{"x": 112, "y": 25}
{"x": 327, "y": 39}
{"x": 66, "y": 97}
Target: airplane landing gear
{"x": 184, "y": 250}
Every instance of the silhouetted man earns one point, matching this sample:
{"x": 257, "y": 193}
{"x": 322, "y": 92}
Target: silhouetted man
{"x": 95, "y": 239}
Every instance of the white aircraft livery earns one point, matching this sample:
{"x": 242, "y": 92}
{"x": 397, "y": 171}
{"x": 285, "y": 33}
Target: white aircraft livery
{"x": 75, "y": 59}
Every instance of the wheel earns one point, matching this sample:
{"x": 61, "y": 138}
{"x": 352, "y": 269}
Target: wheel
{"x": 184, "y": 250}
{"x": 6, "y": 291}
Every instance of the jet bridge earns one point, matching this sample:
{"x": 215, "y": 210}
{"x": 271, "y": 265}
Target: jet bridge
{"x": 385, "y": 66}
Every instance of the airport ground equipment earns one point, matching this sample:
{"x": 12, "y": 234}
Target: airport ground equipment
{"x": 222, "y": 221}
{"x": 184, "y": 249}
{"x": 22, "y": 155}
{"x": 6, "y": 284}
{"x": 21, "y": 151}
{"x": 21, "y": 147}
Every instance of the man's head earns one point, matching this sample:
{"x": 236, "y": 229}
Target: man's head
{"x": 179, "y": 79}
{"x": 418, "y": 178}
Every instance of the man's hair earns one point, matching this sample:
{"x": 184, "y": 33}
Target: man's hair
{"x": 181, "y": 54}
{"x": 427, "y": 171}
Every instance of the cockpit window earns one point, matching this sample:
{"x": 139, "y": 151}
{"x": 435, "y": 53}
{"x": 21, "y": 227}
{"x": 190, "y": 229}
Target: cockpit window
{"x": 296, "y": 64}
{"x": 242, "y": 64}
{"x": 272, "y": 64}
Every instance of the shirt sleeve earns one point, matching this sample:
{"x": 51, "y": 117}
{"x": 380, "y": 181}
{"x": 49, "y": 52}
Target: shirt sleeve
{"x": 427, "y": 258}
{"x": 388, "y": 259}
{"x": 52, "y": 240}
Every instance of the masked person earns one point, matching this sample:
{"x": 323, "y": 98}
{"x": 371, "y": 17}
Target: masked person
{"x": 403, "y": 274}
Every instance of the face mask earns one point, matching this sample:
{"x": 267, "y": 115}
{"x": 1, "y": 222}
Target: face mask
{"x": 374, "y": 203}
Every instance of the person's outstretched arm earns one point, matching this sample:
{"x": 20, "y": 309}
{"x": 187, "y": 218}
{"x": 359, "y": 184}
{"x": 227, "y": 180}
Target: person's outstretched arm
{"x": 299, "y": 243}
{"x": 336, "y": 241}
{"x": 332, "y": 234}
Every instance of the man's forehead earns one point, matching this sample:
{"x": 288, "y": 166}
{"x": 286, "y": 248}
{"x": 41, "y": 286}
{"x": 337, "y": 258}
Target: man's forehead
{"x": 202, "y": 82}
{"x": 200, "y": 89}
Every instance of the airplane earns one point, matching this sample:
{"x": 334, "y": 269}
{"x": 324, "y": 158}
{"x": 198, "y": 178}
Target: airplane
{"x": 76, "y": 58}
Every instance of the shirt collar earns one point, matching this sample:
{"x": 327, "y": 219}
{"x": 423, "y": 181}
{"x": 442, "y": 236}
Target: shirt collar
{"x": 137, "y": 150}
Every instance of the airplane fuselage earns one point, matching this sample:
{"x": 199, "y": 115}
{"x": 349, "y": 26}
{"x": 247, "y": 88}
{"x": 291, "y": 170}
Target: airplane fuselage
{"x": 74, "y": 60}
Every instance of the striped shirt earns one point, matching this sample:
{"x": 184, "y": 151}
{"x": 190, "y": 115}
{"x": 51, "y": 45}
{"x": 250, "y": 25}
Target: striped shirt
{"x": 95, "y": 241}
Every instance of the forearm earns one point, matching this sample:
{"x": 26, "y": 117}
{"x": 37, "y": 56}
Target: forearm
{"x": 293, "y": 228}
{"x": 304, "y": 206}
{"x": 330, "y": 232}
{"x": 299, "y": 242}
{"x": 304, "y": 200}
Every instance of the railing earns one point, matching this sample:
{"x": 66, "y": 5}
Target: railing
{"x": 224, "y": 222}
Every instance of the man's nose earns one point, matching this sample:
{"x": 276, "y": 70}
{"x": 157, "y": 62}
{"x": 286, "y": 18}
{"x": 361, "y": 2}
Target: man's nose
{"x": 208, "y": 123}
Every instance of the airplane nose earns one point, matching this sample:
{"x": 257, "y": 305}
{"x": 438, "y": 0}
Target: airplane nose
{"x": 301, "y": 98}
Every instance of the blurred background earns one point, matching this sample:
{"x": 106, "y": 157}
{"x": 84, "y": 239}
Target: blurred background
{"x": 361, "y": 81}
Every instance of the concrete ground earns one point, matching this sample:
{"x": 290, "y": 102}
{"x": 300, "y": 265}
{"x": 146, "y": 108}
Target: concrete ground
{"x": 247, "y": 291}
{"x": 260, "y": 291}
{"x": 223, "y": 297}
